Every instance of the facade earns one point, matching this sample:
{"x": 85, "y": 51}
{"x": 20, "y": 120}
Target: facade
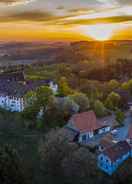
{"x": 87, "y": 126}
{"x": 13, "y": 88}
{"x": 110, "y": 159}
{"x": 12, "y": 103}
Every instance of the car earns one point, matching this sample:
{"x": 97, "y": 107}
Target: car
{"x": 114, "y": 131}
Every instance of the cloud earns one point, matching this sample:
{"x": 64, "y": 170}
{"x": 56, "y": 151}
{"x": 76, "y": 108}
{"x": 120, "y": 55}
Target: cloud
{"x": 33, "y": 16}
{"x": 13, "y": 1}
{"x": 105, "y": 20}
{"x": 124, "y": 2}
{"x": 28, "y": 16}
{"x": 60, "y": 8}
{"x": 78, "y": 10}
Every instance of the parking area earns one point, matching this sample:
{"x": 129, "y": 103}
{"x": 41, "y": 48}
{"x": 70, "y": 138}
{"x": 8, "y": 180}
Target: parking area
{"x": 122, "y": 132}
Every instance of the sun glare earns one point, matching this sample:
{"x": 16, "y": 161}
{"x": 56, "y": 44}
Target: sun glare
{"x": 100, "y": 32}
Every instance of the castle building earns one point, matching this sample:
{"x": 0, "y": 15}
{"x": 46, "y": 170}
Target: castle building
{"x": 13, "y": 88}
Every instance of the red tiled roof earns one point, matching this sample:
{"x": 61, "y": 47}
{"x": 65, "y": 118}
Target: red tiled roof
{"x": 117, "y": 151}
{"x": 107, "y": 141}
{"x": 86, "y": 121}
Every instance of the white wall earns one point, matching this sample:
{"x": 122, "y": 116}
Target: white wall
{"x": 88, "y": 136}
{"x": 104, "y": 130}
{"x": 12, "y": 103}
{"x": 54, "y": 87}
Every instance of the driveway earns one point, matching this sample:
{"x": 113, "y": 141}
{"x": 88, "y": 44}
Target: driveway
{"x": 122, "y": 132}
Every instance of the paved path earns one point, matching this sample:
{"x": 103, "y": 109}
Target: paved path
{"x": 122, "y": 132}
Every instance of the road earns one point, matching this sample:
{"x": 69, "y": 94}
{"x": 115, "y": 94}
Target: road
{"x": 122, "y": 132}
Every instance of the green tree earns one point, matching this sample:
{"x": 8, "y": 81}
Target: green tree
{"x": 113, "y": 84}
{"x": 54, "y": 116}
{"x": 82, "y": 100}
{"x": 99, "y": 108}
{"x": 11, "y": 170}
{"x": 52, "y": 151}
{"x": 70, "y": 107}
{"x": 125, "y": 86}
{"x": 113, "y": 101}
{"x": 130, "y": 86}
{"x": 43, "y": 95}
{"x": 30, "y": 98}
{"x": 36, "y": 102}
{"x": 120, "y": 116}
{"x": 64, "y": 88}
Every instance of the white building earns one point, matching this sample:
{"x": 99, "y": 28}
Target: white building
{"x": 12, "y": 103}
{"x": 13, "y": 88}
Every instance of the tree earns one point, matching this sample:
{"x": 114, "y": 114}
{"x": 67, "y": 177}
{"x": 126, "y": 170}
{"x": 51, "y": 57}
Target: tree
{"x": 30, "y": 98}
{"x": 70, "y": 107}
{"x": 113, "y": 84}
{"x": 82, "y": 100}
{"x": 52, "y": 151}
{"x": 130, "y": 86}
{"x": 120, "y": 116}
{"x": 37, "y": 101}
{"x": 125, "y": 86}
{"x": 64, "y": 162}
{"x": 113, "y": 101}
{"x": 11, "y": 170}
{"x": 54, "y": 116}
{"x": 99, "y": 108}
{"x": 43, "y": 95}
{"x": 80, "y": 167}
{"x": 64, "y": 88}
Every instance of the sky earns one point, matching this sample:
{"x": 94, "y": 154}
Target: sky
{"x": 65, "y": 19}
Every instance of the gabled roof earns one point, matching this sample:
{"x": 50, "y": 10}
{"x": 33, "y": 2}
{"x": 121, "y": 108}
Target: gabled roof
{"x": 107, "y": 141}
{"x": 117, "y": 151}
{"x": 85, "y": 122}
{"x": 18, "y": 89}
{"x": 12, "y": 76}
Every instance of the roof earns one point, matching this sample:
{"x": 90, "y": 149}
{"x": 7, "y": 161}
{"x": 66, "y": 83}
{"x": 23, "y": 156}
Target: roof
{"x": 117, "y": 151}
{"x": 14, "y": 84}
{"x": 85, "y": 121}
{"x": 107, "y": 141}
{"x": 18, "y": 88}
{"x": 12, "y": 76}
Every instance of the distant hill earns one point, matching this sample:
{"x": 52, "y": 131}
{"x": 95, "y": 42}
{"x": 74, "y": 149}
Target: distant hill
{"x": 16, "y": 53}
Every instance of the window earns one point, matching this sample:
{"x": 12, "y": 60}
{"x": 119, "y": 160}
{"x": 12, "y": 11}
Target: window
{"x": 106, "y": 167}
{"x": 101, "y": 158}
{"x": 84, "y": 138}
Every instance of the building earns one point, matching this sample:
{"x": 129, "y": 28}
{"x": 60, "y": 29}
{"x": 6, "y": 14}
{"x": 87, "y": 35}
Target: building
{"x": 106, "y": 142}
{"x": 87, "y": 126}
{"x": 111, "y": 158}
{"x": 13, "y": 88}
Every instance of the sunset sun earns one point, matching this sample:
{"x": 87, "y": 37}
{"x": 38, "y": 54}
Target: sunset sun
{"x": 100, "y": 32}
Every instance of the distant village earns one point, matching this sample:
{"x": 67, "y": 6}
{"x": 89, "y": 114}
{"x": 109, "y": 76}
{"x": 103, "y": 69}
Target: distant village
{"x": 111, "y": 144}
